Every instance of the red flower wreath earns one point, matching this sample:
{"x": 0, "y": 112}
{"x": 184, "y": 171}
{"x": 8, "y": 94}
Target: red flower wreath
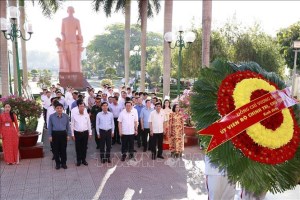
{"x": 243, "y": 141}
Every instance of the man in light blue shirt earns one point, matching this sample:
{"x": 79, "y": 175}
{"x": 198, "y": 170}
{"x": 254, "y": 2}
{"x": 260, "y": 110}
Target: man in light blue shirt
{"x": 144, "y": 117}
{"x": 105, "y": 128}
{"x": 139, "y": 106}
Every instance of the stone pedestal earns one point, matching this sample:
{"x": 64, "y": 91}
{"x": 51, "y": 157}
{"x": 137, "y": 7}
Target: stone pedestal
{"x": 73, "y": 79}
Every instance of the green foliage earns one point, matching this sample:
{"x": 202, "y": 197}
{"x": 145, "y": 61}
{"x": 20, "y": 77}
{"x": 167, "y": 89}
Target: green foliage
{"x": 28, "y": 111}
{"x": 285, "y": 38}
{"x": 109, "y": 5}
{"x": 110, "y": 72}
{"x": 254, "y": 176}
{"x": 107, "y": 49}
{"x": 44, "y": 78}
{"x": 154, "y": 63}
{"x": 106, "y": 82}
{"x": 49, "y": 7}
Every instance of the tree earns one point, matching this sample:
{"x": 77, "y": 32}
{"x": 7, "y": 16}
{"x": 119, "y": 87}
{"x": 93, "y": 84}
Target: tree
{"x": 285, "y": 38}
{"x": 125, "y": 6}
{"x": 167, "y": 51}
{"x": 206, "y": 26}
{"x": 107, "y": 49}
{"x": 3, "y": 54}
{"x": 110, "y": 72}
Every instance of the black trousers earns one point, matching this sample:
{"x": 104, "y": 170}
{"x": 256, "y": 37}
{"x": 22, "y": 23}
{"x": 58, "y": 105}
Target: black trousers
{"x": 105, "y": 140}
{"x": 97, "y": 140}
{"x": 59, "y": 146}
{"x": 45, "y": 116}
{"x": 139, "y": 135}
{"x": 116, "y": 138}
{"x": 127, "y": 144}
{"x": 157, "y": 142}
{"x": 81, "y": 140}
{"x": 145, "y": 135}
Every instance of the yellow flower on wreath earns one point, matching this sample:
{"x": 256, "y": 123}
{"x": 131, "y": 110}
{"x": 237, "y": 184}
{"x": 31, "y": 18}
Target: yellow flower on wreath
{"x": 259, "y": 133}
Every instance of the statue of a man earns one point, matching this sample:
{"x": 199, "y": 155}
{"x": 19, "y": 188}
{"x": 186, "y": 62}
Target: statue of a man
{"x": 72, "y": 39}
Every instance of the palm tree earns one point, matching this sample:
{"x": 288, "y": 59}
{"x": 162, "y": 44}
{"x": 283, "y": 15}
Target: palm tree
{"x": 167, "y": 51}
{"x": 143, "y": 5}
{"x": 145, "y": 10}
{"x": 125, "y": 6}
{"x": 206, "y": 27}
{"x": 3, "y": 54}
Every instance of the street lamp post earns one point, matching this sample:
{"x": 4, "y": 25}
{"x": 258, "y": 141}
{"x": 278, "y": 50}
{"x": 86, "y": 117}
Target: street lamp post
{"x": 296, "y": 46}
{"x": 9, "y": 73}
{"x": 181, "y": 41}
{"x": 12, "y": 32}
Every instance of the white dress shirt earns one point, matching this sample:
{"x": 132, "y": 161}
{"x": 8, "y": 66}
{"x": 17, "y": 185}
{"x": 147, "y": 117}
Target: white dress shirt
{"x": 80, "y": 123}
{"x": 75, "y": 111}
{"x": 157, "y": 120}
{"x": 46, "y": 102}
{"x": 43, "y": 98}
{"x": 105, "y": 121}
{"x": 128, "y": 119}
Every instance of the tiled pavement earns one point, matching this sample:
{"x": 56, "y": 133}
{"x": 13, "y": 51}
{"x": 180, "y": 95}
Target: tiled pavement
{"x": 140, "y": 179}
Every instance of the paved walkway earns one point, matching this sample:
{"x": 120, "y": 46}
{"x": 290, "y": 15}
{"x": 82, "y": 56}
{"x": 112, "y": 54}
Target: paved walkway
{"x": 140, "y": 179}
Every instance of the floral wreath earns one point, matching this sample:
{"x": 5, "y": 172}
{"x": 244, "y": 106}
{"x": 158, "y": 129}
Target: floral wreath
{"x": 264, "y": 157}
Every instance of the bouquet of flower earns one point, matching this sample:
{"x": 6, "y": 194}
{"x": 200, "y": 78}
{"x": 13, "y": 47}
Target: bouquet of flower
{"x": 28, "y": 111}
{"x": 184, "y": 104}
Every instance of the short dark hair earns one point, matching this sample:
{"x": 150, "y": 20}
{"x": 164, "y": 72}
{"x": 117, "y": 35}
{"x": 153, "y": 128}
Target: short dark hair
{"x": 147, "y": 100}
{"x": 145, "y": 93}
{"x": 126, "y": 102}
{"x": 103, "y": 103}
{"x": 79, "y": 102}
{"x": 116, "y": 98}
{"x": 58, "y": 104}
{"x": 128, "y": 88}
{"x": 52, "y": 99}
{"x": 141, "y": 93}
{"x": 157, "y": 103}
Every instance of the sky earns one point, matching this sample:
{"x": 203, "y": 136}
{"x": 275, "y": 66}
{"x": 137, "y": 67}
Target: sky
{"x": 272, "y": 15}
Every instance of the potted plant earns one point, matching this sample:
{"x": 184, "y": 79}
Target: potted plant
{"x": 27, "y": 111}
{"x": 189, "y": 126}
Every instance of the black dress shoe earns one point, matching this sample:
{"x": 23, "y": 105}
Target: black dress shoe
{"x": 139, "y": 145}
{"x": 144, "y": 150}
{"x": 123, "y": 158}
{"x": 53, "y": 158}
{"x": 134, "y": 151}
{"x": 85, "y": 163}
{"x": 119, "y": 142}
{"x": 108, "y": 160}
{"x": 161, "y": 157}
{"x": 97, "y": 147}
{"x": 103, "y": 160}
{"x": 78, "y": 164}
{"x": 113, "y": 143}
{"x": 64, "y": 166}
{"x": 57, "y": 167}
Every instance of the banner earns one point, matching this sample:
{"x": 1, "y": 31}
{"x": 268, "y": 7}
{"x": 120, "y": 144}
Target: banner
{"x": 240, "y": 119}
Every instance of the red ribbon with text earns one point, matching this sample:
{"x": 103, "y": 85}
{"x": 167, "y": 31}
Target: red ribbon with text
{"x": 240, "y": 119}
